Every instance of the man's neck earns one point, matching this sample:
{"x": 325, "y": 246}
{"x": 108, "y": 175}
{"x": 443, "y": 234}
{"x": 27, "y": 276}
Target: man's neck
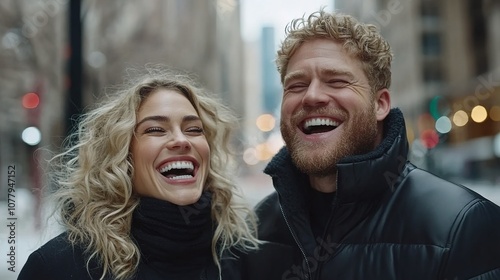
{"x": 326, "y": 184}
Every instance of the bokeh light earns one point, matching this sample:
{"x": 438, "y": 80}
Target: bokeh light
{"x": 495, "y": 113}
{"x": 265, "y": 122}
{"x": 263, "y": 152}
{"x": 250, "y": 156}
{"x": 30, "y": 100}
{"x": 429, "y": 138}
{"x": 479, "y": 114}
{"x": 443, "y": 125}
{"x": 31, "y": 136}
{"x": 460, "y": 118}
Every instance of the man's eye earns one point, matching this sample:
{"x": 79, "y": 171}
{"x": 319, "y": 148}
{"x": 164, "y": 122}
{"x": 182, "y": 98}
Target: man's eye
{"x": 338, "y": 83}
{"x": 296, "y": 87}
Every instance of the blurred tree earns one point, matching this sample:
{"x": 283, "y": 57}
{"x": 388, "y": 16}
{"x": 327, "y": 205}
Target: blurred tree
{"x": 31, "y": 59}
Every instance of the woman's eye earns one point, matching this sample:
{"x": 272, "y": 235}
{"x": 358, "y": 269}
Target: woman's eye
{"x": 154, "y": 129}
{"x": 195, "y": 129}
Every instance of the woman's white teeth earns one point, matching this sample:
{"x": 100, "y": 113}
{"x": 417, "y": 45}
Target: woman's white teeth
{"x": 319, "y": 122}
{"x": 178, "y": 165}
{"x": 181, "y": 177}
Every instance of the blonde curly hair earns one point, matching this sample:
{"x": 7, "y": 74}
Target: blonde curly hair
{"x": 360, "y": 40}
{"x": 95, "y": 195}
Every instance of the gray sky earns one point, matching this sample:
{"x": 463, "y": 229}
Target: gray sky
{"x": 256, "y": 14}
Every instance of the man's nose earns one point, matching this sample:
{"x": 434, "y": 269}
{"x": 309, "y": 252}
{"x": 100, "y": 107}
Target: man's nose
{"x": 315, "y": 95}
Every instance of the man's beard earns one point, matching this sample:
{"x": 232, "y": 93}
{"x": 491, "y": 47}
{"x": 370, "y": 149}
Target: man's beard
{"x": 320, "y": 159}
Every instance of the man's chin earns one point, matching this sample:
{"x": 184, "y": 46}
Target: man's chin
{"x": 313, "y": 162}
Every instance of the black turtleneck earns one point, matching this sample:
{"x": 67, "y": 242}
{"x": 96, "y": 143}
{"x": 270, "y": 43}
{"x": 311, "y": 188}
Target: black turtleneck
{"x": 175, "y": 241}
{"x": 320, "y": 209}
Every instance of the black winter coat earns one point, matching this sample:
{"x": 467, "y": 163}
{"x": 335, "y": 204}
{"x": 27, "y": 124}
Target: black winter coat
{"x": 389, "y": 220}
{"x": 58, "y": 260}
{"x": 173, "y": 245}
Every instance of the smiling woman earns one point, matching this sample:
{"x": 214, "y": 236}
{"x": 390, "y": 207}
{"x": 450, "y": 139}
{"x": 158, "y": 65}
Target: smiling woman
{"x": 146, "y": 191}
{"x": 169, "y": 150}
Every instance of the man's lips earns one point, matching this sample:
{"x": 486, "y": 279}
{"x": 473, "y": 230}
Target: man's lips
{"x": 318, "y": 125}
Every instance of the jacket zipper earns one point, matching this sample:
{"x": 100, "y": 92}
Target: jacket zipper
{"x": 309, "y": 274}
{"x": 327, "y": 229}
{"x": 322, "y": 249}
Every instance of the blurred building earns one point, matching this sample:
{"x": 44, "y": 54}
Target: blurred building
{"x": 446, "y": 78}
{"x": 271, "y": 86}
{"x": 202, "y": 37}
{"x": 263, "y": 87}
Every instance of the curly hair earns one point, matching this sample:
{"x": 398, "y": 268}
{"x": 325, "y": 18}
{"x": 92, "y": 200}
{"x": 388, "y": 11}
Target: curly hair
{"x": 95, "y": 195}
{"x": 359, "y": 39}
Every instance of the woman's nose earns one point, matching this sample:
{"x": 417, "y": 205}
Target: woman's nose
{"x": 178, "y": 141}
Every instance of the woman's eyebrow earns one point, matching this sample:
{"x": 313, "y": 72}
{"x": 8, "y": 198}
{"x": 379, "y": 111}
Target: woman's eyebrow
{"x": 165, "y": 119}
{"x": 190, "y": 118}
{"x": 157, "y": 118}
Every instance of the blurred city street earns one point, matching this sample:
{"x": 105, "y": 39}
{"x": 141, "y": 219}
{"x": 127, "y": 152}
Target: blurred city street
{"x": 255, "y": 186}
{"x": 58, "y": 58}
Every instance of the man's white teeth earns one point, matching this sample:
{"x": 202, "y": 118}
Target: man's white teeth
{"x": 320, "y": 121}
{"x": 177, "y": 165}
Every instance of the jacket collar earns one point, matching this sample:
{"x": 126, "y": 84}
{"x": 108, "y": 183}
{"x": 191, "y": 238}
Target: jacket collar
{"x": 359, "y": 177}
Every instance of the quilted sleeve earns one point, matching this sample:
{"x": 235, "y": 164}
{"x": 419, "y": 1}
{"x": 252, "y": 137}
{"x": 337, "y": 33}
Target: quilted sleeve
{"x": 475, "y": 243}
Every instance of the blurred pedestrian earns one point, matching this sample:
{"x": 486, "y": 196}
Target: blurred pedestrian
{"x": 146, "y": 192}
{"x": 347, "y": 199}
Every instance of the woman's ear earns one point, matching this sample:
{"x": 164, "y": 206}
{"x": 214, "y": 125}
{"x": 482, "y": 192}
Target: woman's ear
{"x": 382, "y": 103}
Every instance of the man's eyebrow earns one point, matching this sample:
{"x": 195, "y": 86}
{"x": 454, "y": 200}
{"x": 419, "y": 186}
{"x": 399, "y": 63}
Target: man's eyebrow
{"x": 293, "y": 75}
{"x": 337, "y": 72}
{"x": 165, "y": 119}
{"x": 323, "y": 72}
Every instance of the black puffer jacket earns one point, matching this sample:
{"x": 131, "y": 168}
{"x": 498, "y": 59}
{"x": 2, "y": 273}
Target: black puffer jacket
{"x": 390, "y": 220}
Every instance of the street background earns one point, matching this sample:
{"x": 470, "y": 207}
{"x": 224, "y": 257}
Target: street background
{"x": 58, "y": 57}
